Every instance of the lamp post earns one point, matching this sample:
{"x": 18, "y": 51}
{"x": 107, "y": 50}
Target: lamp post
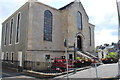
{"x": 96, "y": 68}
{"x": 118, "y": 58}
{"x": 74, "y": 52}
{"x": 118, "y": 35}
{"x": 65, "y": 46}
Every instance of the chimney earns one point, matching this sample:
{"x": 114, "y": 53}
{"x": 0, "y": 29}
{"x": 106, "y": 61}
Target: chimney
{"x": 77, "y": 1}
{"x": 32, "y": 0}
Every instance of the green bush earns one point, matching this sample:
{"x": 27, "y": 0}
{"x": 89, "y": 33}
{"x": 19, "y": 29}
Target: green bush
{"x": 111, "y": 55}
{"x": 77, "y": 58}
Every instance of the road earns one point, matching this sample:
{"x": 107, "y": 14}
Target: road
{"x": 103, "y": 71}
{"x": 14, "y": 75}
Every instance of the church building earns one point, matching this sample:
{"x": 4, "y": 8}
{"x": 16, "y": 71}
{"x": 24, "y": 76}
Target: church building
{"x": 36, "y": 32}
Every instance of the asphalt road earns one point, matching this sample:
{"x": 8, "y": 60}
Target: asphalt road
{"x": 103, "y": 71}
{"x": 14, "y": 75}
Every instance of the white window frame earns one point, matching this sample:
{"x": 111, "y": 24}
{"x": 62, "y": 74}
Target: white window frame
{"x": 19, "y": 29}
{"x": 46, "y": 26}
{"x": 10, "y": 31}
{"x": 80, "y": 27}
{"x": 90, "y": 36}
{"x": 13, "y": 57}
{"x": 5, "y": 33}
{"x": 6, "y": 59}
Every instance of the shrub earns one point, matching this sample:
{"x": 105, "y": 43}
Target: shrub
{"x": 111, "y": 55}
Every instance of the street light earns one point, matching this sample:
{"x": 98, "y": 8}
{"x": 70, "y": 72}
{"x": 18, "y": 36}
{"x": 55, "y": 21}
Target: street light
{"x": 65, "y": 46}
{"x": 74, "y": 52}
{"x": 118, "y": 35}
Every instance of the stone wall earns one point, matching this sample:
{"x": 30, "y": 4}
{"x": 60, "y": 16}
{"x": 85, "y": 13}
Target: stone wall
{"x": 16, "y": 47}
{"x": 36, "y": 29}
{"x": 37, "y": 59}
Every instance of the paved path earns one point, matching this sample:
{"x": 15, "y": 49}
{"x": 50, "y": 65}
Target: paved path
{"x": 103, "y": 71}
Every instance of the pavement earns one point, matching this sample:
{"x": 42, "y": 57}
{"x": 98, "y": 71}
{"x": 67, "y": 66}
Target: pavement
{"x": 103, "y": 71}
{"x": 51, "y": 75}
{"x": 12, "y": 74}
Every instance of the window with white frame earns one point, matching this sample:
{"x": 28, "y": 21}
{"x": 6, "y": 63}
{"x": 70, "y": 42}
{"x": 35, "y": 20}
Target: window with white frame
{"x": 6, "y": 32}
{"x": 47, "y": 25}
{"x": 11, "y": 31}
{"x": 12, "y": 57}
{"x": 7, "y": 56}
{"x": 79, "y": 20}
{"x": 90, "y": 35}
{"x": 18, "y": 28}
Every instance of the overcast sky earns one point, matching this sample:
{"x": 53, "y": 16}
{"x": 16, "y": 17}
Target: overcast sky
{"x": 102, "y": 13}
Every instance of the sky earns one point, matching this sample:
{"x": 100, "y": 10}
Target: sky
{"x": 102, "y": 13}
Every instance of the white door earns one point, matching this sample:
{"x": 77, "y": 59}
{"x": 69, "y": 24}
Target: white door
{"x": 2, "y": 56}
{"x": 20, "y": 58}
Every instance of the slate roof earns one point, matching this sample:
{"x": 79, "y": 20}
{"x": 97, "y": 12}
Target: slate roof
{"x": 66, "y": 6}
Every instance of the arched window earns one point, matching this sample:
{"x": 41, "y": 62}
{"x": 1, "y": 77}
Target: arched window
{"x": 6, "y": 32}
{"x": 12, "y": 59}
{"x": 11, "y": 31}
{"x": 90, "y": 35}
{"x": 47, "y": 25}
{"x": 18, "y": 28}
{"x": 6, "y": 56}
{"x": 79, "y": 20}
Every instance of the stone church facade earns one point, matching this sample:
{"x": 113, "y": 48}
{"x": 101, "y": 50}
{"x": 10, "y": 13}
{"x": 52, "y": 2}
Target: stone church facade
{"x": 36, "y": 32}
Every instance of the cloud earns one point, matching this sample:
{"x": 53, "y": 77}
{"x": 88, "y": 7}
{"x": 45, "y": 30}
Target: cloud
{"x": 7, "y": 7}
{"x": 98, "y": 9}
{"x": 105, "y": 36}
{"x": 46, "y": 1}
{"x": 103, "y": 14}
{"x": 1, "y": 20}
{"x": 60, "y": 3}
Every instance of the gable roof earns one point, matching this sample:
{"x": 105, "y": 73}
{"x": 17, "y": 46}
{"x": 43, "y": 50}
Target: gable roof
{"x": 46, "y": 5}
{"x": 68, "y": 5}
{"x": 84, "y": 9}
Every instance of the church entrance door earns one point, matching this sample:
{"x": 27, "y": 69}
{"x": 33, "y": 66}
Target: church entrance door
{"x": 79, "y": 43}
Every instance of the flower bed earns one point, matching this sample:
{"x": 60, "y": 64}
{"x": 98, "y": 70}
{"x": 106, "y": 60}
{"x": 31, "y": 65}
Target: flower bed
{"x": 109, "y": 60}
{"x": 82, "y": 63}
